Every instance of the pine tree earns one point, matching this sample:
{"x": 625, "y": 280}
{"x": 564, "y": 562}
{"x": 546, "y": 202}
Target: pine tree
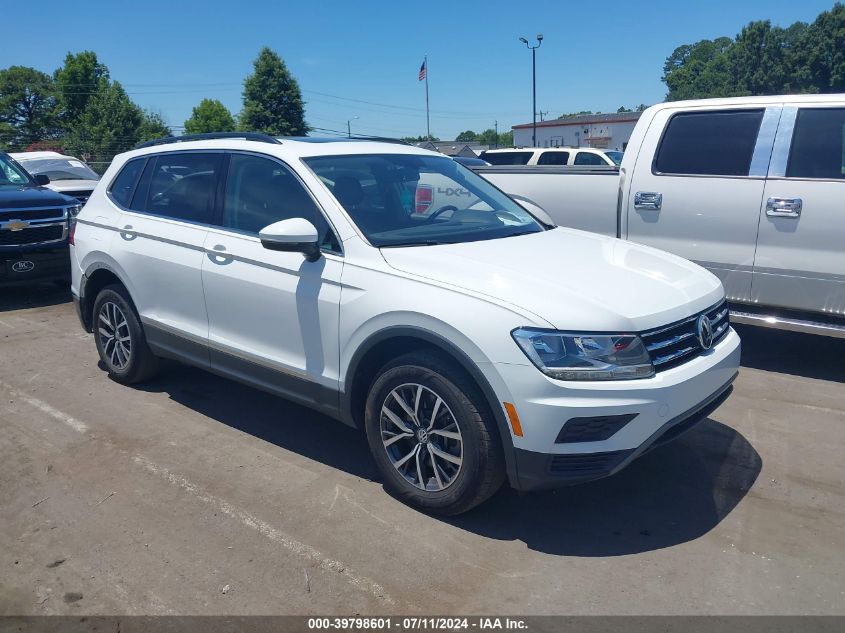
{"x": 272, "y": 99}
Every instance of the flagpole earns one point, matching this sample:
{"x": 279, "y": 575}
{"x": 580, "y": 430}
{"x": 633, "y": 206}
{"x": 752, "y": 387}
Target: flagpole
{"x": 427, "y": 120}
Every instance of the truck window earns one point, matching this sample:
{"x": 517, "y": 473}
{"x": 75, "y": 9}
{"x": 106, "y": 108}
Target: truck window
{"x": 714, "y": 143}
{"x": 589, "y": 158}
{"x": 818, "y": 144}
{"x": 553, "y": 158}
{"x": 507, "y": 158}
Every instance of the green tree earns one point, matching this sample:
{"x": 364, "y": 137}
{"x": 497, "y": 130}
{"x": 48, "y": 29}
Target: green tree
{"x": 272, "y": 99}
{"x": 703, "y": 69}
{"x": 210, "y": 116}
{"x": 624, "y": 109}
{"x": 465, "y": 137}
{"x": 152, "y": 126}
{"x": 109, "y": 125}
{"x": 81, "y": 76}
{"x": 28, "y": 108}
{"x": 820, "y": 53}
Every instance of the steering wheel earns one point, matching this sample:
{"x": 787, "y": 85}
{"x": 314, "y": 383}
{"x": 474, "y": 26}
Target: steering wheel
{"x": 441, "y": 210}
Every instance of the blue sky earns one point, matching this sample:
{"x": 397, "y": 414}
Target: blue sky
{"x": 362, "y": 58}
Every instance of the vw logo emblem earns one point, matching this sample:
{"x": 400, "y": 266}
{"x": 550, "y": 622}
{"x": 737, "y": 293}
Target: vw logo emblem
{"x": 422, "y": 436}
{"x": 705, "y": 332}
{"x": 23, "y": 266}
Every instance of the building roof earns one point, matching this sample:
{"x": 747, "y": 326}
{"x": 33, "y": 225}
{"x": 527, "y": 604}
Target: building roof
{"x": 586, "y": 119}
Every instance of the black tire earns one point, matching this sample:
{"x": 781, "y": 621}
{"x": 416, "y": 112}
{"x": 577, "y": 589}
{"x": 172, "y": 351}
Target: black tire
{"x": 482, "y": 470}
{"x": 141, "y": 364}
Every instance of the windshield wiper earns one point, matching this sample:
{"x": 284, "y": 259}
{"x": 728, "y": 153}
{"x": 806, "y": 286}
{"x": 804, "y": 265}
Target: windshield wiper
{"x": 415, "y": 243}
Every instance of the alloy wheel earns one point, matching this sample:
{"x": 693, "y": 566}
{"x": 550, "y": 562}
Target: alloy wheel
{"x": 114, "y": 335}
{"x": 421, "y": 437}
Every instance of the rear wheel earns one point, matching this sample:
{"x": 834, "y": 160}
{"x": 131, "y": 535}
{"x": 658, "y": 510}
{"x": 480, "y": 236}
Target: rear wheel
{"x": 431, "y": 435}
{"x": 120, "y": 338}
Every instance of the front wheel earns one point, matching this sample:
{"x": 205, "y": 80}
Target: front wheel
{"x": 120, "y": 338}
{"x": 432, "y": 436}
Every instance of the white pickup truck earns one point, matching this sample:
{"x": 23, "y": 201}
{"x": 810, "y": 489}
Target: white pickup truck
{"x": 752, "y": 188}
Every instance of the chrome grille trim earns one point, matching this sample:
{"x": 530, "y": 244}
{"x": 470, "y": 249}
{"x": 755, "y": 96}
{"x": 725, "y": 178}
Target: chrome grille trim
{"x": 674, "y": 344}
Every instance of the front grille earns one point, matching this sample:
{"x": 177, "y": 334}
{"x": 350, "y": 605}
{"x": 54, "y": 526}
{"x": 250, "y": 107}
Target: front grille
{"x": 33, "y": 235}
{"x": 37, "y": 214}
{"x": 678, "y": 343}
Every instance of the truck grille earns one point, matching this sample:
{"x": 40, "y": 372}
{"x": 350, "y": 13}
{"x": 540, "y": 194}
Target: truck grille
{"x": 37, "y": 214}
{"x": 32, "y": 235}
{"x": 674, "y": 344}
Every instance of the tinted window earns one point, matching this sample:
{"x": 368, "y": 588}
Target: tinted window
{"x": 182, "y": 186}
{"x": 553, "y": 158}
{"x": 709, "y": 143}
{"x": 507, "y": 158}
{"x": 588, "y": 158}
{"x": 122, "y": 187}
{"x": 818, "y": 144}
{"x": 260, "y": 192}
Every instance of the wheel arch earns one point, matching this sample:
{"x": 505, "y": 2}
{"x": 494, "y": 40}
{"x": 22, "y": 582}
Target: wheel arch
{"x": 96, "y": 277}
{"x": 391, "y": 342}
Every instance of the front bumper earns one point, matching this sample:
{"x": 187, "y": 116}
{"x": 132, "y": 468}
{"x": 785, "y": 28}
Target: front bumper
{"x": 27, "y": 266}
{"x": 539, "y": 471}
{"x": 572, "y": 433}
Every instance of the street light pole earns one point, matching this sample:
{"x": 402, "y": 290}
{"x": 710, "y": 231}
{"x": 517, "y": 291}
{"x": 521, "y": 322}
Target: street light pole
{"x": 533, "y": 83}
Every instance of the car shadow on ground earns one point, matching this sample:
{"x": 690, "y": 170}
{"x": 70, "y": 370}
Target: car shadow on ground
{"x": 19, "y": 297}
{"x": 793, "y": 353}
{"x": 671, "y": 495}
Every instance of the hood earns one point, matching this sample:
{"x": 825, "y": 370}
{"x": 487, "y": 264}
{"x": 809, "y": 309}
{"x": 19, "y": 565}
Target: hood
{"x": 571, "y": 279}
{"x": 26, "y": 197}
{"x": 73, "y": 185}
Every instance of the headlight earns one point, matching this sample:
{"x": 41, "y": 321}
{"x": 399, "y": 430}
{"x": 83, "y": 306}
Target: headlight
{"x": 585, "y": 356}
{"x": 74, "y": 211}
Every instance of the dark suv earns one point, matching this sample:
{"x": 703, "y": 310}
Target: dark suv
{"x": 34, "y": 225}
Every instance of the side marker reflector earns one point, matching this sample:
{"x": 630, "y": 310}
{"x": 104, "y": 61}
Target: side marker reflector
{"x": 514, "y": 419}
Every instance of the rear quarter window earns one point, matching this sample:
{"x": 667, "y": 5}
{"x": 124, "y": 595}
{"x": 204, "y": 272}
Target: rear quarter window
{"x": 713, "y": 143}
{"x": 123, "y": 186}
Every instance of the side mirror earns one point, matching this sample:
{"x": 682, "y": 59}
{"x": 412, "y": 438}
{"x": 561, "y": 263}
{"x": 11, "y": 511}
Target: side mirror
{"x": 296, "y": 235}
{"x": 42, "y": 179}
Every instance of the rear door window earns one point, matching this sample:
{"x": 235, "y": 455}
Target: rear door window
{"x": 713, "y": 143}
{"x": 507, "y": 158}
{"x": 182, "y": 186}
{"x": 553, "y": 158}
{"x": 818, "y": 144}
{"x": 589, "y": 158}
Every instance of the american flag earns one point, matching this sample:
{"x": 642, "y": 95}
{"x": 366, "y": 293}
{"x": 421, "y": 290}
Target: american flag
{"x": 422, "y": 70}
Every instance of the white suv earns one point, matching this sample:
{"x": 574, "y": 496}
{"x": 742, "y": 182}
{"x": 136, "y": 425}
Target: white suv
{"x": 471, "y": 344}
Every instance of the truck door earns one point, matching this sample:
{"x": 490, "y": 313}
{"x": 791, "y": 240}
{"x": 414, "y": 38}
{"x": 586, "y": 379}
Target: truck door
{"x": 800, "y": 260}
{"x": 698, "y": 184}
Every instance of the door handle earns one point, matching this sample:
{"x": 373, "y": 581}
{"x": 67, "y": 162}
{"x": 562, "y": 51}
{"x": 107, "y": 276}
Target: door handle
{"x": 128, "y": 233}
{"x": 650, "y": 200}
{"x": 219, "y": 248}
{"x": 784, "y": 207}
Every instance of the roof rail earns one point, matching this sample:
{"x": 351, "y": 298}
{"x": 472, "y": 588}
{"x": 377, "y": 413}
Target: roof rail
{"x": 247, "y": 136}
{"x": 381, "y": 139}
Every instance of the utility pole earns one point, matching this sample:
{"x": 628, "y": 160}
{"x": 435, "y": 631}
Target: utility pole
{"x": 496, "y": 136}
{"x": 533, "y": 83}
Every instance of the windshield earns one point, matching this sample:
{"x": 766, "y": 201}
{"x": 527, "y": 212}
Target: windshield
{"x": 11, "y": 174}
{"x": 60, "y": 169}
{"x": 616, "y": 157}
{"x": 413, "y": 200}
